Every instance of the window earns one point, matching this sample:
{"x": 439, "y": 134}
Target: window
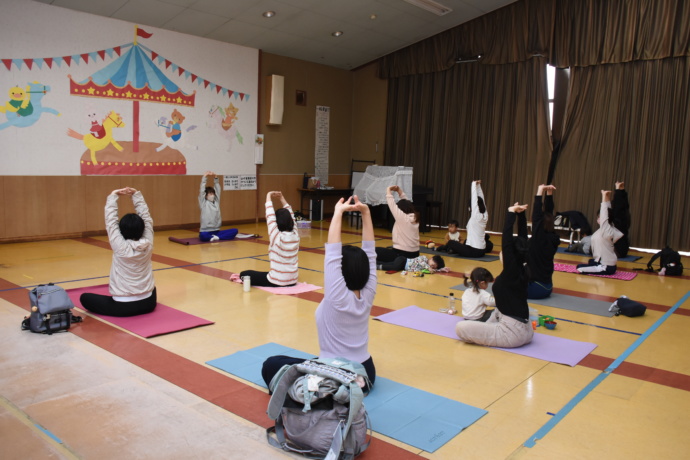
{"x": 551, "y": 83}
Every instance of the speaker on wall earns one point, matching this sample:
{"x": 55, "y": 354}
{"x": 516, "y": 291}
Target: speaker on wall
{"x": 275, "y": 89}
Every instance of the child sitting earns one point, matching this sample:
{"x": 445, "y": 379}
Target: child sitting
{"x": 452, "y": 235}
{"x": 475, "y": 299}
{"x": 417, "y": 264}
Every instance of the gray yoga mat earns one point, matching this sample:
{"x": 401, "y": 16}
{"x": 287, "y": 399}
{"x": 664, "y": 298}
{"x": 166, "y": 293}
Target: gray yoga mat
{"x": 567, "y": 302}
{"x": 486, "y": 258}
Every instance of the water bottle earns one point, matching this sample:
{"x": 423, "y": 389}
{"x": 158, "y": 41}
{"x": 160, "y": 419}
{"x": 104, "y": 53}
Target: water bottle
{"x": 451, "y": 304}
{"x": 247, "y": 283}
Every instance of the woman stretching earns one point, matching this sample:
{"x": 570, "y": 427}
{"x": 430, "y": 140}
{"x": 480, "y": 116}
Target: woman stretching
{"x": 131, "y": 277}
{"x": 405, "y": 229}
{"x": 508, "y": 326}
{"x": 477, "y": 243}
{"x": 604, "y": 259}
{"x": 542, "y": 246}
{"x": 282, "y": 249}
{"x": 342, "y": 317}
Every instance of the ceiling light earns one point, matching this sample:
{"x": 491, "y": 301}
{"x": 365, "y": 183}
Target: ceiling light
{"x": 432, "y": 6}
{"x": 268, "y": 14}
{"x": 337, "y": 33}
{"x": 373, "y": 16}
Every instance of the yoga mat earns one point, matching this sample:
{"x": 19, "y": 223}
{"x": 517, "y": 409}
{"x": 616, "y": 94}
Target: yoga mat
{"x": 196, "y": 240}
{"x": 566, "y": 302}
{"x": 415, "y": 417}
{"x": 628, "y": 258}
{"x": 162, "y": 320}
{"x": 543, "y": 346}
{"x": 619, "y": 275}
{"x": 298, "y": 288}
{"x": 485, "y": 258}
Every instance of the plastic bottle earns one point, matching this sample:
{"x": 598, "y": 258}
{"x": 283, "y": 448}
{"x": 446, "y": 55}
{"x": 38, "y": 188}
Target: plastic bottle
{"x": 451, "y": 304}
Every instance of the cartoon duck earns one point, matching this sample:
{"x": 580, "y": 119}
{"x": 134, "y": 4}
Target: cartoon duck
{"x": 19, "y": 103}
{"x": 230, "y": 117}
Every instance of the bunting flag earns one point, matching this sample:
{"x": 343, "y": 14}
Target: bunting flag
{"x": 109, "y": 53}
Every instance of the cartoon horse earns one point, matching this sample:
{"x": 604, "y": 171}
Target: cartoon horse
{"x": 217, "y": 116}
{"x": 36, "y": 93}
{"x": 95, "y": 144}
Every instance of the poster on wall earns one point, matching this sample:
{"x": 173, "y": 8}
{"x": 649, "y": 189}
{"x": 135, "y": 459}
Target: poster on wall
{"x": 322, "y": 139}
{"x": 108, "y": 97}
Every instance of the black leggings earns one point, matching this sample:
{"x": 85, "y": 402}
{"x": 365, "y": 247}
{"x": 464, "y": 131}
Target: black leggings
{"x": 261, "y": 279}
{"x": 464, "y": 250}
{"x": 273, "y": 364}
{"x": 106, "y": 305}
{"x": 398, "y": 264}
{"x": 384, "y": 255}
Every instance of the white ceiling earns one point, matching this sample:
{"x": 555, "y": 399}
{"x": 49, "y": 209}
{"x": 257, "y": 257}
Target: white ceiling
{"x": 301, "y": 29}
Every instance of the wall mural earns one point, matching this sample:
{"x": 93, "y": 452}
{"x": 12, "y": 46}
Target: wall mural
{"x": 126, "y": 109}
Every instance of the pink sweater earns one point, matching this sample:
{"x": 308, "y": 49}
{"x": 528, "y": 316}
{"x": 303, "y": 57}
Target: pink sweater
{"x": 405, "y": 229}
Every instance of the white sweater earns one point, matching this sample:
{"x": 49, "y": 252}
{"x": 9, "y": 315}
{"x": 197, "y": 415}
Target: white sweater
{"x": 131, "y": 273}
{"x": 476, "y": 226}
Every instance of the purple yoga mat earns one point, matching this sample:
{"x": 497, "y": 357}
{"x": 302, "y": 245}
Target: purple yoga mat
{"x": 196, "y": 240}
{"x": 162, "y": 320}
{"x": 543, "y": 346}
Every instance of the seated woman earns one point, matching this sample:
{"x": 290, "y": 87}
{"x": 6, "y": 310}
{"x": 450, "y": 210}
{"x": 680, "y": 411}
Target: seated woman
{"x": 620, "y": 218}
{"x": 342, "y": 317}
{"x": 542, "y": 246}
{"x": 209, "y": 204}
{"x": 131, "y": 277}
{"x": 477, "y": 243}
{"x": 508, "y": 326}
{"x": 282, "y": 249}
{"x": 604, "y": 259}
{"x": 405, "y": 229}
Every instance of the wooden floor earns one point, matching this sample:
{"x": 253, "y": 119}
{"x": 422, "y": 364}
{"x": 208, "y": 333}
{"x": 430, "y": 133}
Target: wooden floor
{"x": 100, "y": 392}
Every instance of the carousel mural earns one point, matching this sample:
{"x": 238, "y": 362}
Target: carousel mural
{"x": 140, "y": 115}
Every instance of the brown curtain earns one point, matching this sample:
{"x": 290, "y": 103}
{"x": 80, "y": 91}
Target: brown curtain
{"x": 471, "y": 122}
{"x": 511, "y": 34}
{"x": 592, "y": 32}
{"x": 630, "y": 122}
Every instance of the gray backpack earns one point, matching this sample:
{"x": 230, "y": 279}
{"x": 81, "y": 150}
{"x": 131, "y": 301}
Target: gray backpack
{"x": 318, "y": 409}
{"x": 51, "y": 310}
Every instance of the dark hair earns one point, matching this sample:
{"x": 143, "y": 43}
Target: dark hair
{"x": 210, "y": 190}
{"x": 355, "y": 267}
{"x": 440, "y": 263}
{"x": 407, "y": 207}
{"x": 454, "y": 222}
{"x": 132, "y": 226}
{"x": 480, "y": 205}
{"x": 478, "y": 275}
{"x": 284, "y": 220}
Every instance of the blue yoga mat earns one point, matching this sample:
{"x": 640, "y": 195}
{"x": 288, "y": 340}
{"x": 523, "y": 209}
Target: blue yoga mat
{"x": 567, "y": 302}
{"x": 485, "y": 258}
{"x": 418, "y": 418}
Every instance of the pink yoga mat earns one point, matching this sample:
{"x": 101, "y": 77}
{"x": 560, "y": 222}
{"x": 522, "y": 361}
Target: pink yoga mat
{"x": 543, "y": 346}
{"x": 619, "y": 275}
{"x": 162, "y": 320}
{"x": 298, "y": 288}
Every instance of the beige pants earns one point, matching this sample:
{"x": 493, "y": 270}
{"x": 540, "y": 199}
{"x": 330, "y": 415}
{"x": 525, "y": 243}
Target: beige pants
{"x": 498, "y": 331}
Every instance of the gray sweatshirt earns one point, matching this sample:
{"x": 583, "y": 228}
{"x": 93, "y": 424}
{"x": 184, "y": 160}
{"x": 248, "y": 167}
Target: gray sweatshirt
{"x": 210, "y": 210}
{"x": 131, "y": 272}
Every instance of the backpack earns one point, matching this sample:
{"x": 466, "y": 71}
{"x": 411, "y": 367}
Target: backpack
{"x": 50, "y": 310}
{"x": 318, "y": 409}
{"x": 670, "y": 263}
{"x": 627, "y": 307}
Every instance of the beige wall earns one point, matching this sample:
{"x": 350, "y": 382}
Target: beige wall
{"x": 35, "y": 208}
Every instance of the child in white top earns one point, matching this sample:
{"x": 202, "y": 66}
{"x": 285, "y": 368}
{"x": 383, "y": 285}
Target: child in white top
{"x": 475, "y": 299}
{"x": 452, "y": 235}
